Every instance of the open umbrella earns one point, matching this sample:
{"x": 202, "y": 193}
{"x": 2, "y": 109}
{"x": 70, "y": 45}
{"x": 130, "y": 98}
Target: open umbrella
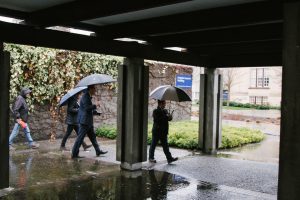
{"x": 69, "y": 94}
{"x": 94, "y": 79}
{"x": 169, "y": 92}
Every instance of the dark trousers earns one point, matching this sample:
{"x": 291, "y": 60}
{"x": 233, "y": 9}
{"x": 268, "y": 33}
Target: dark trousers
{"x": 70, "y": 128}
{"x": 83, "y": 131}
{"x": 164, "y": 143}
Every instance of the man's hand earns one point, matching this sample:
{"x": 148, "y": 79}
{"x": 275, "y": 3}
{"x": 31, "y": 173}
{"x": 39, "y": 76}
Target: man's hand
{"x": 170, "y": 116}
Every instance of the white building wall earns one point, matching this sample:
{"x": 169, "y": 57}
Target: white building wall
{"x": 196, "y": 82}
{"x": 241, "y": 89}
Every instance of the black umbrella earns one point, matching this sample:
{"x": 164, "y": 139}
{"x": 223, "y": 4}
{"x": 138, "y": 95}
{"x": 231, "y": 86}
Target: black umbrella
{"x": 69, "y": 94}
{"x": 95, "y": 79}
{"x": 169, "y": 92}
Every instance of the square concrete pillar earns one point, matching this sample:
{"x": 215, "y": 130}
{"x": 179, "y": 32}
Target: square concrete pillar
{"x": 210, "y": 123}
{"x": 132, "y": 120}
{"x": 4, "y": 117}
{"x": 289, "y": 158}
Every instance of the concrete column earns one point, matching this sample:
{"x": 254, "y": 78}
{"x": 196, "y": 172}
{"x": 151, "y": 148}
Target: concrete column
{"x": 133, "y": 87}
{"x": 4, "y": 117}
{"x": 289, "y": 159}
{"x": 210, "y": 111}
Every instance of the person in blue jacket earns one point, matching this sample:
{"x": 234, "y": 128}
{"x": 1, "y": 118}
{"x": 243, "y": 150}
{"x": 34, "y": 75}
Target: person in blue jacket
{"x": 86, "y": 123}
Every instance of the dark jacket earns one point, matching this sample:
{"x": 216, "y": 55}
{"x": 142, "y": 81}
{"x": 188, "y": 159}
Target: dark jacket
{"x": 86, "y": 109}
{"x": 72, "y": 111}
{"x": 161, "y": 120}
{"x": 20, "y": 107}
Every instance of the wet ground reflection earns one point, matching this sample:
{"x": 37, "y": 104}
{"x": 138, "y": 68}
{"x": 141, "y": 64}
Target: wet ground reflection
{"x": 265, "y": 151}
{"x": 57, "y": 177}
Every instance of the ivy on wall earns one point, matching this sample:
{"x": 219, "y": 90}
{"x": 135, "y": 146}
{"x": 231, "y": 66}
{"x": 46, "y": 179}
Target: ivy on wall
{"x": 51, "y": 73}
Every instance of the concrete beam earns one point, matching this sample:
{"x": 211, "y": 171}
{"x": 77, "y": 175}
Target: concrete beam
{"x": 132, "y": 122}
{"x": 289, "y": 159}
{"x": 4, "y": 117}
{"x": 21, "y": 34}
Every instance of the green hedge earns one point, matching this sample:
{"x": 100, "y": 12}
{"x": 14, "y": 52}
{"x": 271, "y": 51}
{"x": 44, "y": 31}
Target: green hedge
{"x": 184, "y": 135}
{"x": 248, "y": 105}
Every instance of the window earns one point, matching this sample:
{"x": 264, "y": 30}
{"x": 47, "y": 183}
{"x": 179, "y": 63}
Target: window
{"x": 259, "y": 78}
{"x": 260, "y": 100}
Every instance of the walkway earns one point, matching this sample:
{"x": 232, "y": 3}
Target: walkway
{"x": 195, "y": 176}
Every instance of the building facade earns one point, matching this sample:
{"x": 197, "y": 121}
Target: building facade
{"x": 259, "y": 85}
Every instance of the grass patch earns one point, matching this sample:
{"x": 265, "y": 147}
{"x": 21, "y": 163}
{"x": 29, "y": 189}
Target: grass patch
{"x": 235, "y": 108}
{"x": 184, "y": 134}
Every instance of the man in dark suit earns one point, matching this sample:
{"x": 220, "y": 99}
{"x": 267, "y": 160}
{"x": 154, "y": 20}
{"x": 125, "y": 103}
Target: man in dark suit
{"x": 72, "y": 121}
{"x": 160, "y": 130}
{"x": 86, "y": 123}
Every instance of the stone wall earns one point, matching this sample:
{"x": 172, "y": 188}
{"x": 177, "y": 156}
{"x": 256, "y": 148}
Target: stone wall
{"x": 165, "y": 74}
{"x": 42, "y": 125}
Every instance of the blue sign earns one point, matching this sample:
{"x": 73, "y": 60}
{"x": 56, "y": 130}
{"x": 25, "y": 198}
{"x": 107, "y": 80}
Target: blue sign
{"x": 183, "y": 81}
{"x": 225, "y": 95}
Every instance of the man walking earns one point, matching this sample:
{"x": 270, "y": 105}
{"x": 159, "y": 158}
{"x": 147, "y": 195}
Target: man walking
{"x": 20, "y": 111}
{"x": 72, "y": 121}
{"x": 160, "y": 131}
{"x": 86, "y": 123}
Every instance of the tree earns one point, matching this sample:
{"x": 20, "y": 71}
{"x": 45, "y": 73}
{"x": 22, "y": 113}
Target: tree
{"x": 230, "y": 78}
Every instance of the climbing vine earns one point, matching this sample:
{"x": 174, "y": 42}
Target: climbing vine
{"x": 51, "y": 73}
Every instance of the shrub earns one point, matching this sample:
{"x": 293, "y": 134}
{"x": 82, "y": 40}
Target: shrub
{"x": 107, "y": 131}
{"x": 184, "y": 135}
{"x": 248, "y": 105}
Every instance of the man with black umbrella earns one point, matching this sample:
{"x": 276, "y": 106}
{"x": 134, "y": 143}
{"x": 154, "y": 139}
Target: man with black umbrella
{"x": 72, "y": 121}
{"x": 86, "y": 123}
{"x": 160, "y": 130}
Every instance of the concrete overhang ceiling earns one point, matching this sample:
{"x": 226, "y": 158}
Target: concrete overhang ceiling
{"x": 209, "y": 30}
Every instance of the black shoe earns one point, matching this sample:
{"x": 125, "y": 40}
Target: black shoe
{"x": 172, "y": 160}
{"x": 75, "y": 157}
{"x": 152, "y": 160}
{"x": 101, "y": 152}
{"x": 86, "y": 147}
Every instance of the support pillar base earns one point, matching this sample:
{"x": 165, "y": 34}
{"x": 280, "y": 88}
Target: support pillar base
{"x": 131, "y": 167}
{"x": 210, "y": 152}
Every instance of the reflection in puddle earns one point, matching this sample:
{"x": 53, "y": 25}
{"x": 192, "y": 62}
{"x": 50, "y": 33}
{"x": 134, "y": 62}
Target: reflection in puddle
{"x": 151, "y": 184}
{"x": 206, "y": 186}
{"x": 56, "y": 177}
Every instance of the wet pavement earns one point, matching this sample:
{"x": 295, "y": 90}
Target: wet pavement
{"x": 48, "y": 173}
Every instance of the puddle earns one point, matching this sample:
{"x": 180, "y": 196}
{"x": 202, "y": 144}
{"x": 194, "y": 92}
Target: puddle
{"x": 52, "y": 176}
{"x": 55, "y": 176}
{"x": 202, "y": 185}
{"x": 265, "y": 151}
{"x": 121, "y": 185}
